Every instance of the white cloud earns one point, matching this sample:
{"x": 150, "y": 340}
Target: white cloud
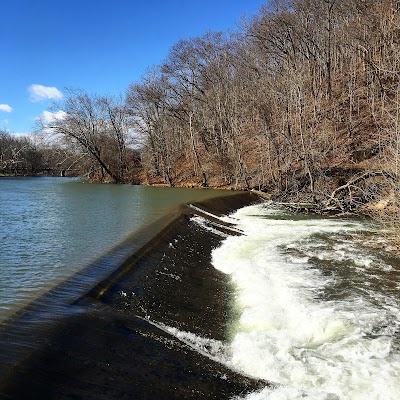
{"x": 5, "y": 107}
{"x": 48, "y": 117}
{"x": 40, "y": 92}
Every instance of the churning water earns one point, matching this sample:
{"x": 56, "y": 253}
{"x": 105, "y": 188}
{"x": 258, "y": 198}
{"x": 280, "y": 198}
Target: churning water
{"x": 317, "y": 306}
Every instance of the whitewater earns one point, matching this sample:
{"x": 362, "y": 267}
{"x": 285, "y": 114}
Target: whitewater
{"x": 317, "y": 305}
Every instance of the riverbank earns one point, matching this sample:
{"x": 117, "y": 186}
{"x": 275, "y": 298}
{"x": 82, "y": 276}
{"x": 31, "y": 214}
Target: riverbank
{"x": 115, "y": 340}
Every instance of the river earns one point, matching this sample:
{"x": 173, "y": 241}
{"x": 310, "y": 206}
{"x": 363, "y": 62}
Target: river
{"x": 51, "y": 228}
{"x": 253, "y": 304}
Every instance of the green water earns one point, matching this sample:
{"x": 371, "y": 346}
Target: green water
{"x": 51, "y": 228}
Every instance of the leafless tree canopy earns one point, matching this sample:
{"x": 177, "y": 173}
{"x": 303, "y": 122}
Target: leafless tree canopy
{"x": 98, "y": 125}
{"x": 302, "y": 102}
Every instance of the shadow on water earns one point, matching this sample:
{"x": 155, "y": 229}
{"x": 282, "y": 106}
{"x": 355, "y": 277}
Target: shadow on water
{"x": 102, "y": 336}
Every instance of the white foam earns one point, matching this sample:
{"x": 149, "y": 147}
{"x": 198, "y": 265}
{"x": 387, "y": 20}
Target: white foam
{"x": 211, "y": 348}
{"x": 316, "y": 349}
{"x": 287, "y": 393}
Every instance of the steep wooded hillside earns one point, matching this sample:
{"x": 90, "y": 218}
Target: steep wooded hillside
{"x": 303, "y": 102}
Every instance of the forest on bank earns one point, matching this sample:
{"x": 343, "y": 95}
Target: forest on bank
{"x": 301, "y": 102}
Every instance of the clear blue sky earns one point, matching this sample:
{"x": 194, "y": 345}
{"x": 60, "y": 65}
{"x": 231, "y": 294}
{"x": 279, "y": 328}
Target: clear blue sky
{"x": 100, "y": 46}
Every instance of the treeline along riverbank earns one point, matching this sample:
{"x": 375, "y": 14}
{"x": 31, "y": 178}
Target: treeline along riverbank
{"x": 301, "y": 101}
{"x": 117, "y": 338}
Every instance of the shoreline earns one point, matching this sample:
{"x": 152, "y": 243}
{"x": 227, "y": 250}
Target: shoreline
{"x": 104, "y": 343}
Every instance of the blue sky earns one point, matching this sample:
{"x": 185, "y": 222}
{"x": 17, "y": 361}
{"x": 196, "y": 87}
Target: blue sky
{"x": 99, "y": 46}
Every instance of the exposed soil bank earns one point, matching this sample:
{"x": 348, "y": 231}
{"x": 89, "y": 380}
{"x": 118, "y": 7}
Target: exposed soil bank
{"x": 108, "y": 343}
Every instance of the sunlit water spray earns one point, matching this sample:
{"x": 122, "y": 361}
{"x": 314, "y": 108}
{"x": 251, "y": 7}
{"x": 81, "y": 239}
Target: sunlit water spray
{"x": 318, "y": 310}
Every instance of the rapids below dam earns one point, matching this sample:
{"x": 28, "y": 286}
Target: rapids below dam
{"x": 226, "y": 298}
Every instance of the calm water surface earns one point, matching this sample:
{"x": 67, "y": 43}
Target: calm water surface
{"x": 52, "y": 227}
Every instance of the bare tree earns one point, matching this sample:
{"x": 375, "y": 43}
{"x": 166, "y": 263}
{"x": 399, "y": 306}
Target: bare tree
{"x": 98, "y": 125}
